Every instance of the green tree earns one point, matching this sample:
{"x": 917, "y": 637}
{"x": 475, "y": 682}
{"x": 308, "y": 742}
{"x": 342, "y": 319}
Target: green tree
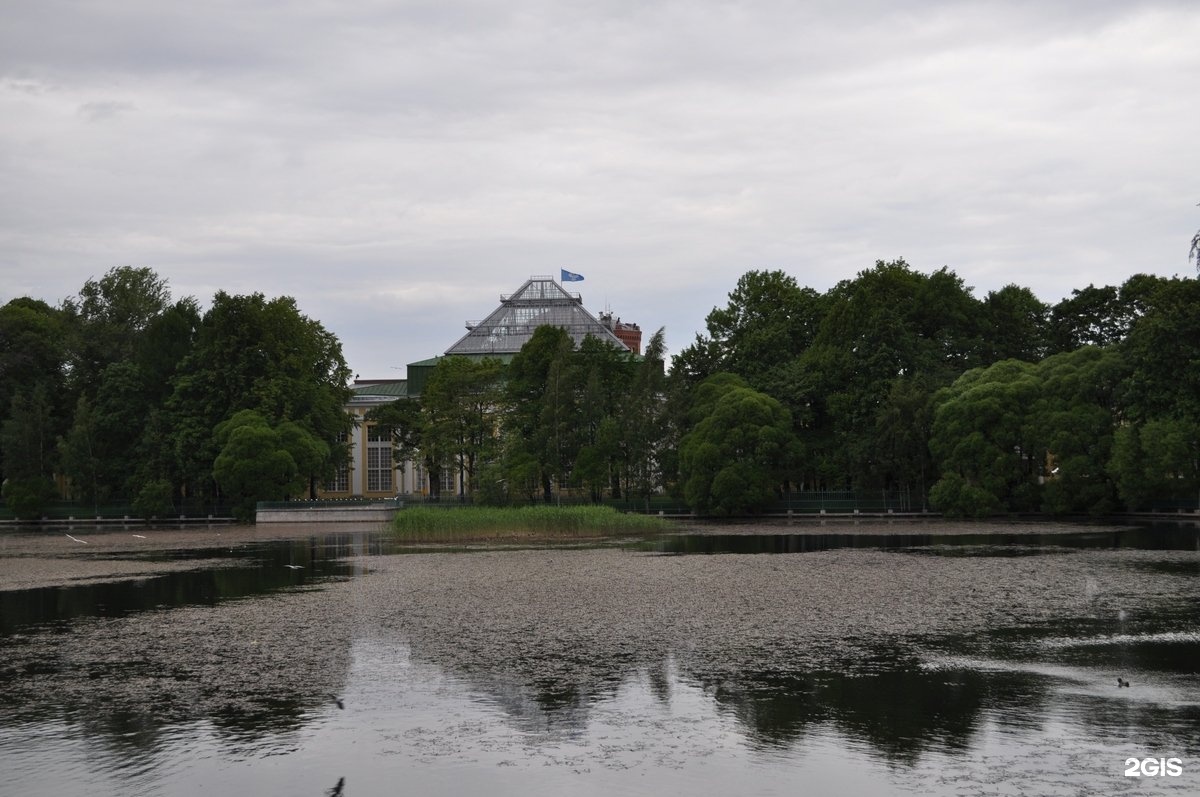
{"x": 102, "y": 450}
{"x": 768, "y": 321}
{"x": 28, "y": 496}
{"x": 593, "y": 465}
{"x": 1091, "y": 316}
{"x": 119, "y": 341}
{"x": 111, "y": 314}
{"x": 1016, "y": 325}
{"x": 33, "y": 353}
{"x": 559, "y": 420}
{"x": 310, "y": 453}
{"x": 459, "y": 408}
{"x": 402, "y": 421}
{"x": 1073, "y": 420}
{"x": 539, "y": 412}
{"x": 889, "y": 322}
{"x": 32, "y": 347}
{"x": 1172, "y": 460}
{"x": 1163, "y": 347}
{"x": 981, "y": 442}
{"x": 163, "y": 345}
{"x": 735, "y": 458}
{"x": 1158, "y": 403}
{"x": 645, "y": 423}
{"x": 695, "y": 363}
{"x": 254, "y": 463}
{"x": 81, "y": 455}
{"x": 902, "y": 429}
{"x": 608, "y": 395}
{"x": 28, "y": 440}
{"x": 1157, "y": 461}
{"x": 1127, "y": 468}
{"x": 251, "y": 353}
{"x": 154, "y": 498}
{"x": 156, "y": 460}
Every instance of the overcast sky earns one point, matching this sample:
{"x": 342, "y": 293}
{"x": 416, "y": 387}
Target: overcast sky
{"x": 396, "y": 166}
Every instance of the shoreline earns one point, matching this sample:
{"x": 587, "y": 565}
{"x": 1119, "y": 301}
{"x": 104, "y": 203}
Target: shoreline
{"x": 44, "y": 559}
{"x": 50, "y": 558}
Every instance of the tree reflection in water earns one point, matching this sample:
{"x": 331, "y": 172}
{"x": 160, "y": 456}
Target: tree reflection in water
{"x": 908, "y": 655}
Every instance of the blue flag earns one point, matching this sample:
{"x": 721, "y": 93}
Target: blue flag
{"x": 571, "y": 276}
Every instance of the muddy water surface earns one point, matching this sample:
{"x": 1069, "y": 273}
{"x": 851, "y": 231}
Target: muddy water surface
{"x": 859, "y": 660}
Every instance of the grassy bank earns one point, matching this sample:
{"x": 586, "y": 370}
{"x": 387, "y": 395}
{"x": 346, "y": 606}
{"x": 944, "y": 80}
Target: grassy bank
{"x": 433, "y": 523}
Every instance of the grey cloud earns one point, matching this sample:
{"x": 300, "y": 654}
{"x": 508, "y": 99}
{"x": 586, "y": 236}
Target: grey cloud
{"x": 99, "y": 111}
{"x": 343, "y": 151}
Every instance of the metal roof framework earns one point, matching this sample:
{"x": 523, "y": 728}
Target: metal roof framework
{"x": 539, "y": 302}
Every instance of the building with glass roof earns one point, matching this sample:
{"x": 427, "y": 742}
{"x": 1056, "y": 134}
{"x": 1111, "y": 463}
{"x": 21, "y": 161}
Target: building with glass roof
{"x": 541, "y": 301}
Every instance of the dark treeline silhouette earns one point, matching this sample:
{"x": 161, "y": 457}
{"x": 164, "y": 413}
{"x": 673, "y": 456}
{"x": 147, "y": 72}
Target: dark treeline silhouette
{"x": 898, "y": 380}
{"x": 894, "y": 382}
{"x": 122, "y": 394}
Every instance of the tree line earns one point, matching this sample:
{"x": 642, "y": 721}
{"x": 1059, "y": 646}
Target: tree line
{"x": 903, "y": 381}
{"x": 893, "y": 381}
{"x": 589, "y": 418}
{"x": 128, "y": 395}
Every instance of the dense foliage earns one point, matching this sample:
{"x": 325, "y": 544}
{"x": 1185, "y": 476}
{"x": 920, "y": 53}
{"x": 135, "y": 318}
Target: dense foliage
{"x": 895, "y": 382}
{"x": 122, "y": 395}
{"x": 905, "y": 382}
{"x": 590, "y": 418}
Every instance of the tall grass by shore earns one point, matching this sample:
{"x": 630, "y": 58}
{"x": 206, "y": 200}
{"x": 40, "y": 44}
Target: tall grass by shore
{"x": 434, "y": 523}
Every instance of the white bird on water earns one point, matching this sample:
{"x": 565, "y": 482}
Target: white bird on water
{"x": 76, "y": 539}
{"x": 294, "y": 567}
{"x": 140, "y": 536}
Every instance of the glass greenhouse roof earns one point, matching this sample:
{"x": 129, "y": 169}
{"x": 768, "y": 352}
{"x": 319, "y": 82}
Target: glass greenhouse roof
{"x": 539, "y": 302}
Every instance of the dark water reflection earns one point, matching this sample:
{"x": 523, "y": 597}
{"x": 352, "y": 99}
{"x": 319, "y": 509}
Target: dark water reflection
{"x": 1028, "y": 703}
{"x": 900, "y": 714}
{"x": 239, "y": 572}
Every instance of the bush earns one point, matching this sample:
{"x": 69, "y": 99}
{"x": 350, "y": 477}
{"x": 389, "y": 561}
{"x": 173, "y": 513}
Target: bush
{"x": 154, "y": 499}
{"x": 27, "y": 498}
{"x": 955, "y": 497}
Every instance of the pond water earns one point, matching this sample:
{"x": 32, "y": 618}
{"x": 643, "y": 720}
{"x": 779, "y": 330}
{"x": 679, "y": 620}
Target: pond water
{"x": 981, "y": 660}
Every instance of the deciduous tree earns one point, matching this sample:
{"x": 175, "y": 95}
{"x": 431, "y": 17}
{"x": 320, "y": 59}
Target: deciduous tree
{"x": 460, "y": 407}
{"x": 254, "y": 464}
{"x": 262, "y": 355}
{"x": 33, "y": 353}
{"x": 981, "y": 442}
{"x": 539, "y": 411}
{"x": 735, "y": 458}
{"x": 28, "y": 439}
{"x": 1072, "y": 420}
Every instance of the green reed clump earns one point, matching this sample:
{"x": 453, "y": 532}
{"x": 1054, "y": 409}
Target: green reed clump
{"x": 422, "y": 522}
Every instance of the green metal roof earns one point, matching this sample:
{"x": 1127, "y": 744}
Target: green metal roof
{"x": 396, "y": 388}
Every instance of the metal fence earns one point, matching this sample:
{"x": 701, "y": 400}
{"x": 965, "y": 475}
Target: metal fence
{"x": 72, "y": 510}
{"x": 331, "y": 503}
